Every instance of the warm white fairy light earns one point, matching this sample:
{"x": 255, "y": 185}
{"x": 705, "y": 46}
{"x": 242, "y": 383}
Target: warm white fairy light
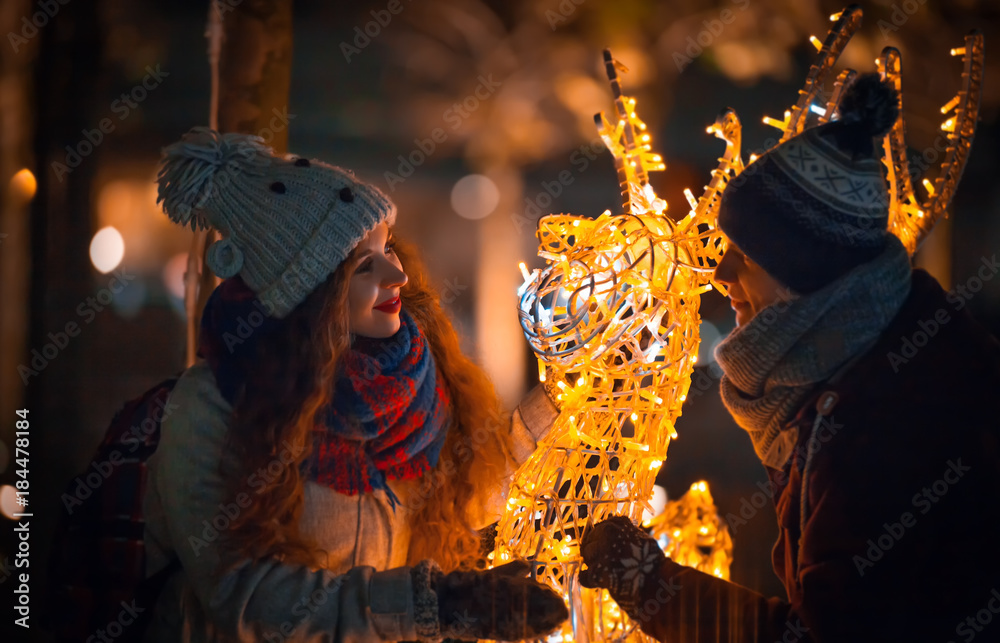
{"x": 910, "y": 217}
{"x": 614, "y": 321}
{"x": 691, "y": 532}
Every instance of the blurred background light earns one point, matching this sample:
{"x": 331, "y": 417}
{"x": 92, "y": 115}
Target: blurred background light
{"x": 23, "y": 184}
{"x": 130, "y": 300}
{"x": 475, "y": 196}
{"x": 710, "y": 338}
{"x": 8, "y": 502}
{"x": 107, "y": 249}
{"x": 658, "y": 501}
{"x": 173, "y": 274}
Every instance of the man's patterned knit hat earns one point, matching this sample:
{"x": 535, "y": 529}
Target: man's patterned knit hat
{"x": 286, "y": 222}
{"x": 817, "y": 205}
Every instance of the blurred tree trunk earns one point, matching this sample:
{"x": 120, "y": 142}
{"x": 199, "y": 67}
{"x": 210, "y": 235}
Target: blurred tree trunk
{"x": 15, "y": 195}
{"x": 67, "y": 85}
{"x": 15, "y": 259}
{"x": 498, "y": 329}
{"x": 255, "y": 73}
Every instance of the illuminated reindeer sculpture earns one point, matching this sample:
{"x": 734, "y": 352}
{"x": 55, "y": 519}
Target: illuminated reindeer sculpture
{"x": 613, "y": 320}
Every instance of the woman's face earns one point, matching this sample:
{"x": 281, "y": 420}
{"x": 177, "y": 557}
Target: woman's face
{"x": 373, "y": 294}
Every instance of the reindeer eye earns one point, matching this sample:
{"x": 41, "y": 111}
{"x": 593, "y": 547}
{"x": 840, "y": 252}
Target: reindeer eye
{"x": 278, "y": 187}
{"x": 302, "y": 162}
{"x": 346, "y": 195}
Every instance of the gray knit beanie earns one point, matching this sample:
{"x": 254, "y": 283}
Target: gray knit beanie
{"x": 816, "y": 206}
{"x": 286, "y": 222}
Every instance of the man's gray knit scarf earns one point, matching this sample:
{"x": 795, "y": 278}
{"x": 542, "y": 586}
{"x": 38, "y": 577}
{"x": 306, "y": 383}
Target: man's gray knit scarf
{"x": 771, "y": 363}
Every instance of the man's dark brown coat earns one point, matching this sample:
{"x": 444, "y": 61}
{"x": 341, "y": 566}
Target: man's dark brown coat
{"x": 901, "y": 537}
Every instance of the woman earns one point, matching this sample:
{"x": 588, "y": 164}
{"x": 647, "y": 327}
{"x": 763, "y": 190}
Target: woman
{"x": 334, "y": 440}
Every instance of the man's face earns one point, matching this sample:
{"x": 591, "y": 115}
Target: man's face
{"x": 751, "y": 289}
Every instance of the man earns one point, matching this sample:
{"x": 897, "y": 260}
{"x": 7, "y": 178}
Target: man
{"x": 884, "y": 460}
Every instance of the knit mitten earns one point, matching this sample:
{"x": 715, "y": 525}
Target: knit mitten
{"x": 622, "y": 559}
{"x": 500, "y": 604}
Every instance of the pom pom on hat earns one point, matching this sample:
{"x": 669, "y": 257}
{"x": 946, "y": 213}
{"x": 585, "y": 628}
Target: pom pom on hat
{"x": 190, "y": 166}
{"x": 872, "y": 103}
{"x": 868, "y": 110}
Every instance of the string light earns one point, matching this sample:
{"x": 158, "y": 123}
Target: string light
{"x": 613, "y": 319}
{"x": 910, "y": 217}
{"x": 693, "y": 533}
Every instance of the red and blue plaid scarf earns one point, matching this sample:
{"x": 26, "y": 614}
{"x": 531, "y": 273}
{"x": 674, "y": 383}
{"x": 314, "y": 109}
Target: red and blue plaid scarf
{"x": 390, "y": 411}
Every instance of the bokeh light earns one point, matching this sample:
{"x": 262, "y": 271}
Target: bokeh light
{"x": 107, "y": 249}
{"x": 475, "y": 196}
{"x": 23, "y": 184}
{"x": 710, "y": 338}
{"x": 8, "y": 501}
{"x": 658, "y": 502}
{"x": 173, "y": 274}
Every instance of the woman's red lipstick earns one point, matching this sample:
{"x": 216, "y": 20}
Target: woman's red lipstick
{"x": 391, "y": 307}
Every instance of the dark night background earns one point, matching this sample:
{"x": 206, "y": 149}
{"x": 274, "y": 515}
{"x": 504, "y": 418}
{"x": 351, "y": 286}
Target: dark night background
{"x": 538, "y": 65}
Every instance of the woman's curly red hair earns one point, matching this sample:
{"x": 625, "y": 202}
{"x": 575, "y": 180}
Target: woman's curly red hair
{"x": 290, "y": 379}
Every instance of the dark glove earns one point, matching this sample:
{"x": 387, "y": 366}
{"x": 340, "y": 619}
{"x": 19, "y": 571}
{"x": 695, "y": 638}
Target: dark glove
{"x": 501, "y": 604}
{"x": 622, "y": 559}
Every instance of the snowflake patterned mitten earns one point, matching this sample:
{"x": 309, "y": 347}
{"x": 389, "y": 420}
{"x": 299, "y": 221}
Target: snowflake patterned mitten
{"x": 622, "y": 559}
{"x": 499, "y": 604}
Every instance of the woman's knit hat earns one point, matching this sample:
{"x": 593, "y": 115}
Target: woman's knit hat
{"x": 286, "y": 222}
{"x": 816, "y": 206}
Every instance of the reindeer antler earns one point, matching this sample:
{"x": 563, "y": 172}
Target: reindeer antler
{"x": 910, "y": 218}
{"x": 845, "y": 24}
{"x": 630, "y": 148}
